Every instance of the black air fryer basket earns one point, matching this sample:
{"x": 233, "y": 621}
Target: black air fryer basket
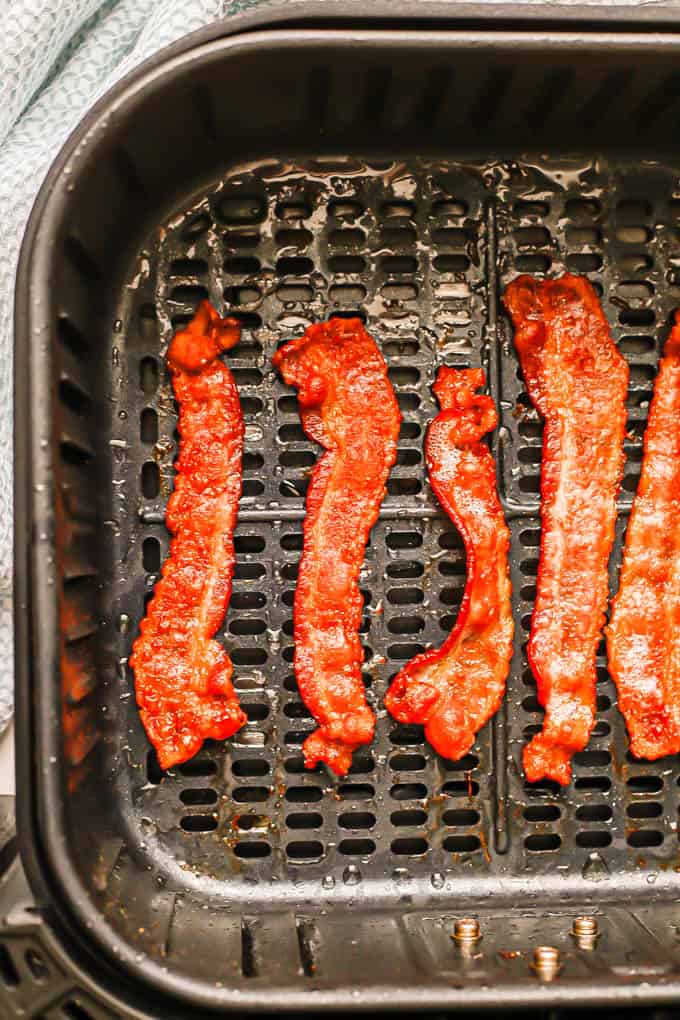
{"x": 311, "y": 164}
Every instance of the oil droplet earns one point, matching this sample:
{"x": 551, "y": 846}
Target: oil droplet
{"x": 437, "y": 880}
{"x": 328, "y": 882}
{"x": 595, "y": 867}
{"x": 253, "y": 433}
{"x": 351, "y": 875}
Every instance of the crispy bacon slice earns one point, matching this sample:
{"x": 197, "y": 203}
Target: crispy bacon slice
{"x": 454, "y": 690}
{"x": 182, "y": 676}
{"x": 348, "y": 406}
{"x": 643, "y": 638}
{"x": 578, "y": 381}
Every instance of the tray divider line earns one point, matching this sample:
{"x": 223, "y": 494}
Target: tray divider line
{"x": 499, "y": 723}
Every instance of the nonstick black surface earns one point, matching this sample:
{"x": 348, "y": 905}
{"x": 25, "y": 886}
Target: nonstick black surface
{"x": 421, "y": 251}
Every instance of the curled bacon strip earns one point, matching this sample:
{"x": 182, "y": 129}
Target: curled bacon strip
{"x": 643, "y": 638}
{"x": 454, "y": 690}
{"x": 348, "y": 406}
{"x": 578, "y": 381}
{"x": 182, "y": 676}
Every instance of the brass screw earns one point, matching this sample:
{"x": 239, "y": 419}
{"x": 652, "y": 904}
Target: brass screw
{"x": 466, "y": 929}
{"x": 546, "y": 962}
{"x": 585, "y": 926}
{"x": 586, "y": 932}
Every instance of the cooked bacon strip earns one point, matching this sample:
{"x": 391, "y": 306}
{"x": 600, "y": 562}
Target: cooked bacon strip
{"x": 643, "y": 638}
{"x": 348, "y": 406}
{"x": 578, "y": 381}
{"x": 182, "y": 676}
{"x": 454, "y": 690}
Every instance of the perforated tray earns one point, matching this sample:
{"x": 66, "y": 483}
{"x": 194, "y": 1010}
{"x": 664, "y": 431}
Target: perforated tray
{"x": 240, "y": 879}
{"x": 421, "y": 252}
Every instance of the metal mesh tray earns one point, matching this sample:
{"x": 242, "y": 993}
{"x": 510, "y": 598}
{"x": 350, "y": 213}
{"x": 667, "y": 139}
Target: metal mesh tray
{"x": 419, "y": 251}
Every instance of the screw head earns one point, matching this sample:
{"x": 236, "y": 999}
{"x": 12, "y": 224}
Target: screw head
{"x": 585, "y": 927}
{"x": 466, "y": 929}
{"x": 546, "y": 961}
{"x": 585, "y": 932}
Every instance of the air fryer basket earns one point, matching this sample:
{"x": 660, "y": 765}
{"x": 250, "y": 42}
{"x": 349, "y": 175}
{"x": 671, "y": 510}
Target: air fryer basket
{"x": 405, "y": 176}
